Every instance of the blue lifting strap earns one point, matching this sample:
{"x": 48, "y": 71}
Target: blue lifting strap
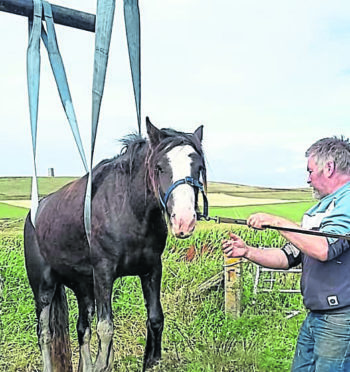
{"x": 132, "y": 26}
{"x": 103, "y": 32}
{"x": 59, "y": 72}
{"x": 33, "y": 78}
{"x": 36, "y": 30}
{"x": 104, "y": 24}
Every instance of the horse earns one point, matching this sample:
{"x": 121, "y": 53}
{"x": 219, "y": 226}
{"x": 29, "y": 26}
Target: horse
{"x": 150, "y": 188}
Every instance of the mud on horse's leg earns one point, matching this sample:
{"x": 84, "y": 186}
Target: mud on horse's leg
{"x": 155, "y": 318}
{"x": 53, "y": 335}
{"x": 45, "y": 337}
{"x": 103, "y": 292}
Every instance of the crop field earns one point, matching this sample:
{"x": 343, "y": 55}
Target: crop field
{"x": 198, "y": 335}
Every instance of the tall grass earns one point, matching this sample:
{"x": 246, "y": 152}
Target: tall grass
{"x": 198, "y": 335}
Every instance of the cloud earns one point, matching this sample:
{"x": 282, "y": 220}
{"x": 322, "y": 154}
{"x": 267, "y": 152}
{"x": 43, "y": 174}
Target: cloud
{"x": 266, "y": 80}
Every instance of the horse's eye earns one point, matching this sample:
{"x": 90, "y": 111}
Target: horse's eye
{"x": 159, "y": 169}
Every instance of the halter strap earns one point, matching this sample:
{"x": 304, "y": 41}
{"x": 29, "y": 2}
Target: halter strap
{"x": 185, "y": 181}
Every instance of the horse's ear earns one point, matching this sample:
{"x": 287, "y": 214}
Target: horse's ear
{"x": 154, "y": 134}
{"x": 199, "y": 133}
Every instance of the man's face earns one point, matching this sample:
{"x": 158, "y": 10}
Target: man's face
{"x": 316, "y": 179}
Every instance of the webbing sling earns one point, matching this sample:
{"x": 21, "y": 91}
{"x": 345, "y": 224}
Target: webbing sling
{"x": 103, "y": 32}
{"x": 33, "y": 78}
{"x": 132, "y": 26}
{"x": 59, "y": 72}
{"x": 33, "y": 72}
{"x": 104, "y": 23}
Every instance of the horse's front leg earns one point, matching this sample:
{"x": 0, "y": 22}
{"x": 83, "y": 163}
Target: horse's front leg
{"x": 85, "y": 297}
{"x": 103, "y": 280}
{"x": 155, "y": 318}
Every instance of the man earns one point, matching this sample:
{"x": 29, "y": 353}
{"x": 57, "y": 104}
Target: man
{"x": 324, "y": 338}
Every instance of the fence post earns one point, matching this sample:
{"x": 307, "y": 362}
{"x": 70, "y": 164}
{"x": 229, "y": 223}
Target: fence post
{"x": 233, "y": 286}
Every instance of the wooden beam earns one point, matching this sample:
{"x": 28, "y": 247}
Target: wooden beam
{"x": 61, "y": 15}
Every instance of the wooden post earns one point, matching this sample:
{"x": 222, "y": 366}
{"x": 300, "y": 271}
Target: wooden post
{"x": 61, "y": 15}
{"x": 233, "y": 286}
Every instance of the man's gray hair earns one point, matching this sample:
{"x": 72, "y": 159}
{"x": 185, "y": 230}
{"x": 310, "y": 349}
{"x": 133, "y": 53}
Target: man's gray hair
{"x": 335, "y": 149}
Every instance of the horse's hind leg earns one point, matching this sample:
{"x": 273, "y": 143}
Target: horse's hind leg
{"x": 85, "y": 297}
{"x": 51, "y": 307}
{"x": 155, "y": 318}
{"x": 43, "y": 304}
{"x": 52, "y": 315}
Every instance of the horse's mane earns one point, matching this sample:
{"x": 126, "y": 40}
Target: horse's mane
{"x": 136, "y": 152}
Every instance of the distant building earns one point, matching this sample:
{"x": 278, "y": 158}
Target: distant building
{"x": 51, "y": 172}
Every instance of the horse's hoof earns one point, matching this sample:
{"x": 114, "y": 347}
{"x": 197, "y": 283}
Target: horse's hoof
{"x": 150, "y": 364}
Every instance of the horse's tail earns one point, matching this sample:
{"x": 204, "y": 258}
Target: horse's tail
{"x": 61, "y": 355}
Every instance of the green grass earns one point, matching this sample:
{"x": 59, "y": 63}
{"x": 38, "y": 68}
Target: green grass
{"x": 19, "y": 188}
{"x": 291, "y": 211}
{"x": 198, "y": 335}
{"x": 10, "y": 211}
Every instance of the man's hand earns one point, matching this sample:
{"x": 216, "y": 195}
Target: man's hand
{"x": 234, "y": 247}
{"x": 259, "y": 220}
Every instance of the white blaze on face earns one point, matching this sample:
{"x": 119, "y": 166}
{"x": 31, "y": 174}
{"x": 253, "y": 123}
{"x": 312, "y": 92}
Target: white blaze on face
{"x": 183, "y": 214}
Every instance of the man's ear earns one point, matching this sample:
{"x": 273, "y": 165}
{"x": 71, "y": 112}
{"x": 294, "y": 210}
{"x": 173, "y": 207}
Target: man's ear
{"x": 329, "y": 168}
{"x": 154, "y": 134}
{"x": 199, "y": 133}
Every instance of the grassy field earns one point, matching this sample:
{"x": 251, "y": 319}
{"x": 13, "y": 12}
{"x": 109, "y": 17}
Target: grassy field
{"x": 260, "y": 192}
{"x": 10, "y": 211}
{"x": 18, "y": 188}
{"x": 198, "y": 335}
{"x": 293, "y": 211}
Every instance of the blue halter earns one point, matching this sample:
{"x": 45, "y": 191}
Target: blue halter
{"x": 188, "y": 181}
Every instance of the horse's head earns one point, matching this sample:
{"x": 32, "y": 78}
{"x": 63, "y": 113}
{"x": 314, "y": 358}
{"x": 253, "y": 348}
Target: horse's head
{"x": 176, "y": 164}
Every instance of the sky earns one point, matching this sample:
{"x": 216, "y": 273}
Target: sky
{"x": 265, "y": 78}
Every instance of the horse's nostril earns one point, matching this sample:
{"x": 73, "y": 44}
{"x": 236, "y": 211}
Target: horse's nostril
{"x": 173, "y": 215}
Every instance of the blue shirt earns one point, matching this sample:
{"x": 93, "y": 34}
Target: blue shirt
{"x": 325, "y": 285}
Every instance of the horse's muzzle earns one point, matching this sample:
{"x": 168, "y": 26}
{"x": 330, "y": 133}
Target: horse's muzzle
{"x": 183, "y": 226}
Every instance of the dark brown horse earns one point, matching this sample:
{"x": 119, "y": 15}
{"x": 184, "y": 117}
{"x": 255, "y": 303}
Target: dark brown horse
{"x": 134, "y": 195}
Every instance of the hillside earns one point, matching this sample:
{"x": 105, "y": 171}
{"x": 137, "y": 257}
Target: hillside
{"x": 219, "y": 193}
